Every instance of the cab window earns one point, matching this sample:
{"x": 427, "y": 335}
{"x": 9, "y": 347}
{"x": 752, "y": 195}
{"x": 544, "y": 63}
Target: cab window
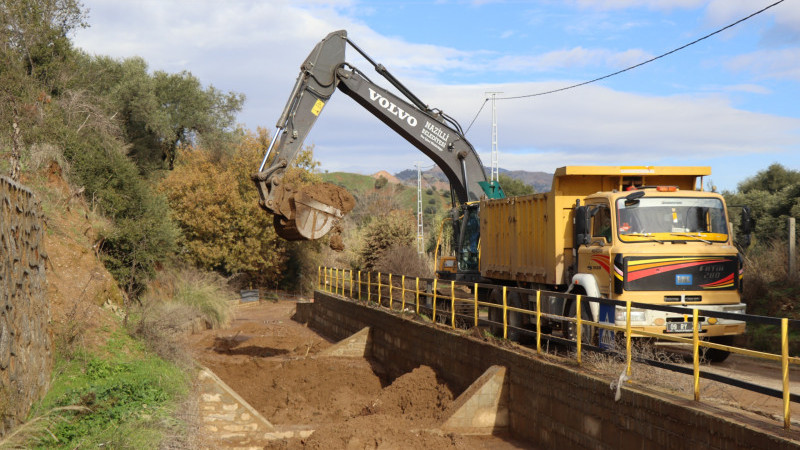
{"x": 601, "y": 223}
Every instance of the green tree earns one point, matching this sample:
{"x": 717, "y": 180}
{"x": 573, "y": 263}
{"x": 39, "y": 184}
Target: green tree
{"x": 773, "y": 195}
{"x": 160, "y": 112}
{"x": 216, "y": 206}
{"x": 36, "y": 33}
{"x": 513, "y": 187}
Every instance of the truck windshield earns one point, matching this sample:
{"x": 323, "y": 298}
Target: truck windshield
{"x": 672, "y": 219}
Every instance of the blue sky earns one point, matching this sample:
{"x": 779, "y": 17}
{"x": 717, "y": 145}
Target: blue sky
{"x": 729, "y": 102}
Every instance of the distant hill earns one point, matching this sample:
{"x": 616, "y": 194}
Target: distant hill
{"x": 389, "y": 177}
{"x": 541, "y": 181}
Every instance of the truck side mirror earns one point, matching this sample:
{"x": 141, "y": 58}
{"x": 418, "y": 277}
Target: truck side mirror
{"x": 582, "y": 226}
{"x": 746, "y": 225}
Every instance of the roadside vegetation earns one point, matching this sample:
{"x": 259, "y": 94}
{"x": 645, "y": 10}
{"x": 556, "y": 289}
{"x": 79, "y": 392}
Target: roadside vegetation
{"x": 773, "y": 195}
{"x": 113, "y": 150}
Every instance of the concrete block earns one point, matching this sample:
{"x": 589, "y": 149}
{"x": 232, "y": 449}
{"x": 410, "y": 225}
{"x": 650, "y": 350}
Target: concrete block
{"x": 358, "y": 345}
{"x": 483, "y": 407}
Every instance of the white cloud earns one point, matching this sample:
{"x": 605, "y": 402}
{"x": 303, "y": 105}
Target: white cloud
{"x": 256, "y": 48}
{"x": 748, "y": 88}
{"x": 659, "y": 5}
{"x": 777, "y": 64}
{"x": 570, "y": 58}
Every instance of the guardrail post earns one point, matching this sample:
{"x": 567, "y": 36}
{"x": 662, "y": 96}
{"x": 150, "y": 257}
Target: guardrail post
{"x": 505, "y": 313}
{"x": 696, "y": 355}
{"x": 792, "y": 269}
{"x": 539, "y": 322}
{"x": 453, "y": 303}
{"x": 476, "y": 304}
{"x": 433, "y": 315}
{"x": 369, "y": 286}
{"x": 578, "y": 326}
{"x": 416, "y": 288}
{"x": 628, "y": 336}
{"x": 787, "y": 412}
{"x": 351, "y": 283}
{"x": 403, "y": 293}
{"x": 319, "y": 277}
{"x": 380, "y": 294}
{"x": 359, "y": 285}
{"x": 390, "y": 292}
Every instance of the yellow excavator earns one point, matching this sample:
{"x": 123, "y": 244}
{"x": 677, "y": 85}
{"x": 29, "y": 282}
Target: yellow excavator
{"x": 303, "y": 213}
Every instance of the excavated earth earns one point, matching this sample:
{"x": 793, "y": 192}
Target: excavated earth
{"x": 271, "y": 361}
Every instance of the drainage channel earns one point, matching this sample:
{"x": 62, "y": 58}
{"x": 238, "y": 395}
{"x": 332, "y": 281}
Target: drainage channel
{"x": 270, "y": 382}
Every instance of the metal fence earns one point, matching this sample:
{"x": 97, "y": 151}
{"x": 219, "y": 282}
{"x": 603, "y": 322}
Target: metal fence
{"x": 447, "y": 302}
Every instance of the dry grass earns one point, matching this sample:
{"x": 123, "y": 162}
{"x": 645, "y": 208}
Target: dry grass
{"x": 403, "y": 259}
{"x": 613, "y": 366}
{"x": 173, "y": 301}
{"x": 28, "y": 432}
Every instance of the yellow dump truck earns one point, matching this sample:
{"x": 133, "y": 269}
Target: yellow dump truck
{"x": 646, "y": 234}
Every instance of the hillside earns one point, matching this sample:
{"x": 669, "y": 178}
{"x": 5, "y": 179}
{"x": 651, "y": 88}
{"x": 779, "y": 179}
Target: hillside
{"x": 541, "y": 181}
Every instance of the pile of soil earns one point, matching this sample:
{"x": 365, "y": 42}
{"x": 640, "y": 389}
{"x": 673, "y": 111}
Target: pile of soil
{"x": 417, "y": 396}
{"x": 331, "y": 194}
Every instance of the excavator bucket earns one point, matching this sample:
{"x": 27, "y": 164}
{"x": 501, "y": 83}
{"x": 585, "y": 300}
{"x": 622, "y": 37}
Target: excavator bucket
{"x": 313, "y": 212}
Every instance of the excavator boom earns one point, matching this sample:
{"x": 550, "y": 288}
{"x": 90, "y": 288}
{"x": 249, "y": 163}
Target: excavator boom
{"x": 305, "y": 213}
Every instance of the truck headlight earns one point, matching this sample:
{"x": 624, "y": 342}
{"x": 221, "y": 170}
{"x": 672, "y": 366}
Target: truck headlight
{"x": 637, "y": 315}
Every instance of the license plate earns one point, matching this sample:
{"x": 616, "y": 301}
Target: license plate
{"x": 680, "y": 327}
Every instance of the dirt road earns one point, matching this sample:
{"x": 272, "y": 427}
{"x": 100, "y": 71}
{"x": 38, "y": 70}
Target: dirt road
{"x": 270, "y": 360}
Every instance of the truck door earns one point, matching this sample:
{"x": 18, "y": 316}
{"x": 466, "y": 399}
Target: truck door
{"x": 593, "y": 258}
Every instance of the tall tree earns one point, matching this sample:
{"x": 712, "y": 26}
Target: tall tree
{"x": 773, "y": 195}
{"x": 513, "y": 187}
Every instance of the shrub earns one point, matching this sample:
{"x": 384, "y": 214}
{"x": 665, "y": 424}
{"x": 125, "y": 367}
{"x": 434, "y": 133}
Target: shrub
{"x": 396, "y": 228}
{"x": 215, "y": 205}
{"x": 175, "y": 298}
{"x": 404, "y": 260}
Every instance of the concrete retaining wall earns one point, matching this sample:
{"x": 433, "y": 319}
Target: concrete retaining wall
{"x": 25, "y": 345}
{"x": 551, "y": 406}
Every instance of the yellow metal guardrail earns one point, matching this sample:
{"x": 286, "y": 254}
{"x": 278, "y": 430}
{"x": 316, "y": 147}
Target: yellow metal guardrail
{"x": 334, "y": 280}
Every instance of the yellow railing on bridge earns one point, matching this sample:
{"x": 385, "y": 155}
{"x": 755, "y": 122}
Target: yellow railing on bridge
{"x": 360, "y": 285}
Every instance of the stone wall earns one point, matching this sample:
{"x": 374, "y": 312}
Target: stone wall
{"x": 550, "y": 405}
{"x": 25, "y": 345}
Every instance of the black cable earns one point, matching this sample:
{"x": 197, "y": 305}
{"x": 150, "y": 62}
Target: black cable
{"x": 641, "y": 63}
{"x": 476, "y": 116}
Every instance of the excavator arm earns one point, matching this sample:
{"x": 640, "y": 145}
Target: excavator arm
{"x": 300, "y": 214}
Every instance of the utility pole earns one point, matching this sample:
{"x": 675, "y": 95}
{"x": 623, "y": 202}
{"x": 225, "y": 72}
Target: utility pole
{"x": 495, "y": 159}
{"x": 420, "y": 233}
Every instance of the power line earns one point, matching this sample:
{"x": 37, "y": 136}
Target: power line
{"x": 631, "y": 67}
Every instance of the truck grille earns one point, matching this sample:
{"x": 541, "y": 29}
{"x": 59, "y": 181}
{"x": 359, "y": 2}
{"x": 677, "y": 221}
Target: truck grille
{"x": 677, "y": 298}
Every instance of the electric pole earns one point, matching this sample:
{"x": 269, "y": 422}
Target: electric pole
{"x": 420, "y": 233}
{"x": 495, "y": 159}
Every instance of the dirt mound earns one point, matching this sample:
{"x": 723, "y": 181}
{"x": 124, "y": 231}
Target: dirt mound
{"x": 417, "y": 396}
{"x": 331, "y": 194}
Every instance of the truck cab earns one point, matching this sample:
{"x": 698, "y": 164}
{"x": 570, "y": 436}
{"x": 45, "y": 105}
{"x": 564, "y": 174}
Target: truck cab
{"x": 661, "y": 245}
